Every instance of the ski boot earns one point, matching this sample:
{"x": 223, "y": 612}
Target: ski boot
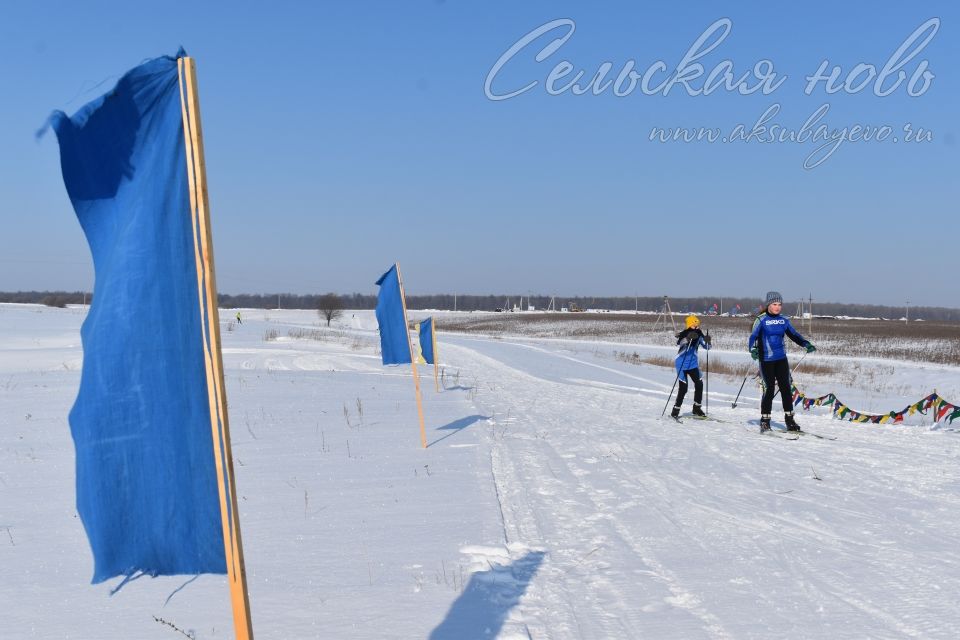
{"x": 697, "y": 411}
{"x": 765, "y": 422}
{"x": 676, "y": 412}
{"x": 791, "y": 423}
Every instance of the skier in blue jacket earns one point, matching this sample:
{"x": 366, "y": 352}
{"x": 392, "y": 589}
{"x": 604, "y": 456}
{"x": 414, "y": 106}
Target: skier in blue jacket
{"x": 766, "y": 345}
{"x": 687, "y": 364}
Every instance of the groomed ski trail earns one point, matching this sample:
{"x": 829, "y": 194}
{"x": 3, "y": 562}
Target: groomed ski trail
{"x": 655, "y": 529}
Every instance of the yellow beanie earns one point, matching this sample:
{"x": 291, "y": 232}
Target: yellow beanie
{"x": 692, "y": 321}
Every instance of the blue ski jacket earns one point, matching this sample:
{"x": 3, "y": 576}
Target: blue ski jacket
{"x": 768, "y": 332}
{"x": 690, "y": 340}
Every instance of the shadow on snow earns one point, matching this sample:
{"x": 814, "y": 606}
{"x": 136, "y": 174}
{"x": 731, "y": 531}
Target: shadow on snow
{"x": 457, "y": 426}
{"x": 482, "y": 608}
{"x": 458, "y": 388}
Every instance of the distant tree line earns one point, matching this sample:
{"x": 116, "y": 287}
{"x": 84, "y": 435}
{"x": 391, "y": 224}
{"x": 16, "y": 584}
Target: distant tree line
{"x": 50, "y": 298}
{"x": 699, "y": 305}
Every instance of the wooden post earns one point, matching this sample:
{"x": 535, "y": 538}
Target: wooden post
{"x": 413, "y": 359}
{"x": 433, "y": 337}
{"x": 210, "y": 319}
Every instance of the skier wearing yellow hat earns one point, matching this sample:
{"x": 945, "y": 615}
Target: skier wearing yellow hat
{"x": 687, "y": 364}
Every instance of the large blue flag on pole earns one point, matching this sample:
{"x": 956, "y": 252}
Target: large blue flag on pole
{"x": 395, "y": 347}
{"x": 394, "y": 339}
{"x": 146, "y": 475}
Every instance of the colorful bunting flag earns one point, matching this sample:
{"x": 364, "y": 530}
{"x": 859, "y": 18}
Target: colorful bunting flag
{"x": 943, "y": 410}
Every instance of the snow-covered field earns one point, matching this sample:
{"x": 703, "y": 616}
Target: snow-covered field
{"x": 552, "y": 502}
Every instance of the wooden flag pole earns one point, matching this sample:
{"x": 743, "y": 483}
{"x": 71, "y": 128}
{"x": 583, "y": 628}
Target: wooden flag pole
{"x": 433, "y": 337}
{"x": 210, "y": 317}
{"x": 413, "y": 360}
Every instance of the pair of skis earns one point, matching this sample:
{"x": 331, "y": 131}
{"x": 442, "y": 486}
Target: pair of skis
{"x": 696, "y": 417}
{"x": 787, "y": 434}
{"x": 818, "y": 436}
{"x": 777, "y": 433}
{"x": 783, "y": 435}
{"x": 795, "y": 434}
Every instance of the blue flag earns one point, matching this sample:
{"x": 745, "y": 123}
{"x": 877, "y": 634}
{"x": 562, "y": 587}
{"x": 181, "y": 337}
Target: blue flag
{"x": 146, "y": 476}
{"x": 426, "y": 340}
{"x": 394, "y": 340}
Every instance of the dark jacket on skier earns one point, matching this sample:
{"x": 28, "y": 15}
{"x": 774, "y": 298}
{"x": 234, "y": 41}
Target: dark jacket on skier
{"x": 690, "y": 341}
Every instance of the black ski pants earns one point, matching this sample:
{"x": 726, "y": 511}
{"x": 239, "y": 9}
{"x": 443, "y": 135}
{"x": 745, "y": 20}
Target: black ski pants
{"x": 697, "y": 386}
{"x": 777, "y": 372}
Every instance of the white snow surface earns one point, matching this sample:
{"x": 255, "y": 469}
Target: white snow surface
{"x": 552, "y": 501}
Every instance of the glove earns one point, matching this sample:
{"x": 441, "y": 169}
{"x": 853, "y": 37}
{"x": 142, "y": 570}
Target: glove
{"x": 755, "y": 353}
{"x": 706, "y": 338}
{"x": 810, "y": 348}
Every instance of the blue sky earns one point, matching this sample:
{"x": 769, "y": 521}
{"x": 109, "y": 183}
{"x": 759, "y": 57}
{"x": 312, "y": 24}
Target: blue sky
{"x": 342, "y": 137}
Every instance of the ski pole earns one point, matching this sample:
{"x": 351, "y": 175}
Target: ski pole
{"x": 683, "y": 368}
{"x": 756, "y": 375}
{"x": 795, "y": 367}
{"x": 670, "y": 395}
{"x": 708, "y": 373}
{"x": 739, "y": 392}
{"x": 741, "y": 389}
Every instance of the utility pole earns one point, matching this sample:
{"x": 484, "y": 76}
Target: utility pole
{"x": 906, "y": 319}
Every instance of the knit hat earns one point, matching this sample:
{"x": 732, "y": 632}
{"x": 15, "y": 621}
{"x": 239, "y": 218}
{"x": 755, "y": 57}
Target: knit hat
{"x": 692, "y": 321}
{"x": 773, "y": 296}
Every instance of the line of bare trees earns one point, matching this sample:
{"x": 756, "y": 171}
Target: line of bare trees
{"x": 323, "y": 302}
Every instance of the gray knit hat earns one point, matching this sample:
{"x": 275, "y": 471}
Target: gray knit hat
{"x": 773, "y": 296}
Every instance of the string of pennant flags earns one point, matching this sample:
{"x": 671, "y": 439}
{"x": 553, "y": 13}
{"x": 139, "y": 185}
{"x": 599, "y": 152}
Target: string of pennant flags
{"x": 942, "y": 410}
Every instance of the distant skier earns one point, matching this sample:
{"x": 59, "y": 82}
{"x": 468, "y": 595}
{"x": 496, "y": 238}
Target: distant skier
{"x": 239, "y": 320}
{"x": 768, "y": 331}
{"x": 687, "y": 364}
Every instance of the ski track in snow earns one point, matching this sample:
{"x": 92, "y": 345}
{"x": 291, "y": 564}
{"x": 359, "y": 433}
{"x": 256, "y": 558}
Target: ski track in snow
{"x": 549, "y": 503}
{"x": 654, "y": 529}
